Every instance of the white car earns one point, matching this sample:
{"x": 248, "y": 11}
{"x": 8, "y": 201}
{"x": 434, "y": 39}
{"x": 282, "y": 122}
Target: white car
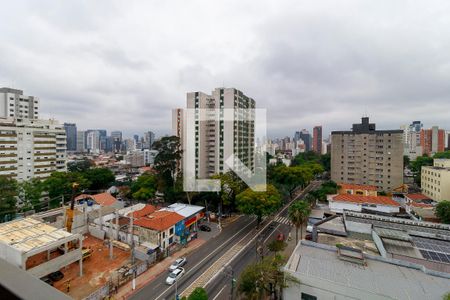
{"x": 174, "y": 276}
{"x": 178, "y": 263}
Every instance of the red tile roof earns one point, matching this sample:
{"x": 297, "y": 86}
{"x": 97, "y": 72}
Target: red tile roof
{"x": 349, "y": 186}
{"x": 147, "y": 210}
{"x": 105, "y": 199}
{"x": 416, "y": 197}
{"x": 159, "y": 220}
{"x": 381, "y": 200}
{"x": 422, "y": 205}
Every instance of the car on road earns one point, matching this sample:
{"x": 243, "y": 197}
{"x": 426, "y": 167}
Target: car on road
{"x": 177, "y": 263}
{"x": 175, "y": 275}
{"x": 205, "y": 228}
{"x": 56, "y": 276}
{"x": 280, "y": 237}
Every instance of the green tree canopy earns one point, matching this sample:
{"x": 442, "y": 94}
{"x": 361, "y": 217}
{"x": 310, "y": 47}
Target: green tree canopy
{"x": 169, "y": 153}
{"x": 259, "y": 204}
{"x": 276, "y": 246}
{"x": 30, "y": 193}
{"x": 445, "y": 154}
{"x": 8, "y": 188}
{"x": 298, "y": 213}
{"x": 443, "y": 211}
{"x": 99, "y": 178}
{"x": 293, "y": 177}
{"x": 79, "y": 165}
{"x": 198, "y": 294}
{"x": 144, "y": 187}
{"x": 264, "y": 278}
{"x": 60, "y": 184}
{"x": 416, "y": 166}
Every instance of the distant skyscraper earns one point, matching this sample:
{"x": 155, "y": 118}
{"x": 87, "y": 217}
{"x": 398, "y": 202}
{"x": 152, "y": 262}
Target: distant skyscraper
{"x": 149, "y": 138}
{"x": 411, "y": 139}
{"x": 93, "y": 141}
{"x": 116, "y": 137}
{"x": 71, "y": 135}
{"x": 305, "y": 136}
{"x": 432, "y": 140}
{"x": 317, "y": 139}
{"x": 81, "y": 141}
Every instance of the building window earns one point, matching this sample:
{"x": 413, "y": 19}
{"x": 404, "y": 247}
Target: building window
{"x": 306, "y": 296}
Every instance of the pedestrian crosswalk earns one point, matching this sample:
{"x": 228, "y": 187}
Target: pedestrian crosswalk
{"x": 283, "y": 220}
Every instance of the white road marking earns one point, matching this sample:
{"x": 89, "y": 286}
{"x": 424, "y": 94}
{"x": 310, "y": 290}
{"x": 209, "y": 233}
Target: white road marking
{"x": 217, "y": 249}
{"x": 221, "y": 290}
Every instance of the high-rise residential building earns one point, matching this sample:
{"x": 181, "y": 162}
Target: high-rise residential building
{"x": 367, "y": 156}
{"x": 432, "y": 140}
{"x": 216, "y": 140}
{"x": 31, "y": 148}
{"x": 317, "y": 139}
{"x": 411, "y": 139}
{"x": 305, "y": 136}
{"x": 71, "y": 135}
{"x": 149, "y": 139}
{"x": 81, "y": 141}
{"x": 448, "y": 140}
{"x": 93, "y": 141}
{"x": 14, "y": 104}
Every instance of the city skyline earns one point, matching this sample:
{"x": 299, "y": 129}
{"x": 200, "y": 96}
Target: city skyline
{"x": 341, "y": 65}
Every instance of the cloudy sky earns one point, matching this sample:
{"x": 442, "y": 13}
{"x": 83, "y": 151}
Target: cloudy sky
{"x": 125, "y": 64}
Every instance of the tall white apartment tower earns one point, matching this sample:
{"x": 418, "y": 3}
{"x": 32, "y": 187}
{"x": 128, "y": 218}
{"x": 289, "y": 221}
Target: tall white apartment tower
{"x": 15, "y": 105}
{"x": 218, "y": 139}
{"x": 29, "y": 147}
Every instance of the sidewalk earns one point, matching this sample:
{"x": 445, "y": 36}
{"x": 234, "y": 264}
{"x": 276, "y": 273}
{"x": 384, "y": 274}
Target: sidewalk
{"x": 126, "y": 290}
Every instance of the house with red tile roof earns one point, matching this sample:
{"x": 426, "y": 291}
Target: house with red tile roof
{"x": 341, "y": 202}
{"x": 102, "y": 199}
{"x": 158, "y": 228}
{"x": 357, "y": 189}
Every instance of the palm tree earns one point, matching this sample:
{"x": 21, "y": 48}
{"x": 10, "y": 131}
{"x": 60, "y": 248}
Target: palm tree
{"x": 298, "y": 212}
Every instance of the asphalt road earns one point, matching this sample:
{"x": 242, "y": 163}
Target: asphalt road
{"x": 198, "y": 261}
{"x": 220, "y": 287}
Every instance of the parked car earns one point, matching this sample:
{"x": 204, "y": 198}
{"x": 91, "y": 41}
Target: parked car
{"x": 56, "y": 276}
{"x": 177, "y": 263}
{"x": 174, "y": 276}
{"x": 205, "y": 228}
{"x": 47, "y": 280}
{"x": 308, "y": 236}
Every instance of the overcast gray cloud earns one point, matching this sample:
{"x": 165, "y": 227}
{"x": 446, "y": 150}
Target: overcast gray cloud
{"x": 125, "y": 64}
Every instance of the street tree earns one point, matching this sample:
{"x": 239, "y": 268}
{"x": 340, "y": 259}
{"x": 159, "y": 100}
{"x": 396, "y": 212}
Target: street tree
{"x": 264, "y": 279}
{"x": 259, "y": 204}
{"x": 298, "y": 213}
{"x": 443, "y": 211}
{"x": 276, "y": 246}
{"x": 293, "y": 177}
{"x": 199, "y": 293}
{"x": 8, "y": 188}
{"x": 169, "y": 154}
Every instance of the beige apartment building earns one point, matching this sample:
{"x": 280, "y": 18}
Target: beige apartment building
{"x": 31, "y": 148}
{"x": 367, "y": 156}
{"x": 435, "y": 180}
{"x": 216, "y": 138}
